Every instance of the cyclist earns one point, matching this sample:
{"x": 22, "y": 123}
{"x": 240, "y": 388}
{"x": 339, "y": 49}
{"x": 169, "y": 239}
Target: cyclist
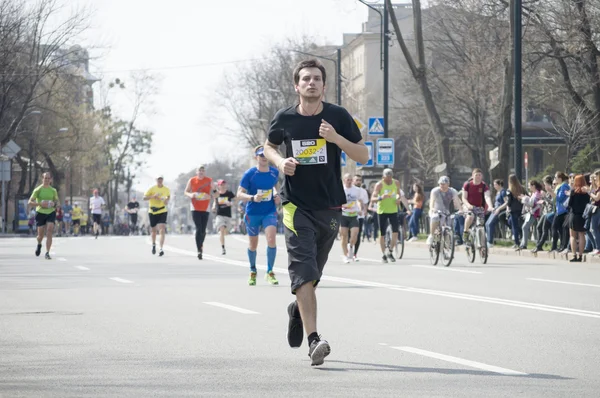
{"x": 388, "y": 195}
{"x": 476, "y": 194}
{"x": 440, "y": 200}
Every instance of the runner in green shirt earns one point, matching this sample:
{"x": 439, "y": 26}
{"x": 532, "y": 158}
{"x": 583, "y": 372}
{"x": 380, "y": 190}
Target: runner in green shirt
{"x": 45, "y": 198}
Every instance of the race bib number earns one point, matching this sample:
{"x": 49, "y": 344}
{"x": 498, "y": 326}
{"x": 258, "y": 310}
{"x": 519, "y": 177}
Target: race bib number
{"x": 266, "y": 195}
{"x": 222, "y": 200}
{"x": 202, "y": 196}
{"x": 310, "y": 152}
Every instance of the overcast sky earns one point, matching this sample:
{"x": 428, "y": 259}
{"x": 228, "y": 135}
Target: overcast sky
{"x": 180, "y": 38}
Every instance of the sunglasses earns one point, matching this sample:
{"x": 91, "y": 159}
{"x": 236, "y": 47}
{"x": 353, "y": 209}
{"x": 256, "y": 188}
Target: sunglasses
{"x": 262, "y": 155}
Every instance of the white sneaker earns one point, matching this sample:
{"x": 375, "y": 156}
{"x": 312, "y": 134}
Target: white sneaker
{"x": 345, "y": 259}
{"x": 490, "y": 245}
{"x": 413, "y": 239}
{"x": 355, "y": 259}
{"x": 430, "y": 239}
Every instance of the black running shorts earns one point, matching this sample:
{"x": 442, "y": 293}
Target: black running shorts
{"x": 97, "y": 218}
{"x": 42, "y": 219}
{"x": 156, "y": 219}
{"x": 349, "y": 222}
{"x": 383, "y": 222}
{"x": 77, "y": 222}
{"x": 309, "y": 236}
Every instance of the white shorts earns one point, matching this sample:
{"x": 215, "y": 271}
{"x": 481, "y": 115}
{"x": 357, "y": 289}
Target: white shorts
{"x": 222, "y": 221}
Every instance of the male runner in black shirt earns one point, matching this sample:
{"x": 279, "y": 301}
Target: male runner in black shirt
{"x": 132, "y": 208}
{"x": 314, "y": 133}
{"x": 222, "y": 208}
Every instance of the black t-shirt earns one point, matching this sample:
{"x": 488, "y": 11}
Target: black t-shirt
{"x": 317, "y": 183}
{"x": 133, "y": 205}
{"x": 222, "y": 208}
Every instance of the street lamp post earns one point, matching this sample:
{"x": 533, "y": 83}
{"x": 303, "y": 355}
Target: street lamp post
{"x": 338, "y": 66}
{"x": 518, "y": 89}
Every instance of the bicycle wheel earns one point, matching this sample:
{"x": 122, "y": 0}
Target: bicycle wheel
{"x": 483, "y": 249}
{"x": 434, "y": 252}
{"x": 388, "y": 238}
{"x": 470, "y": 249}
{"x": 399, "y": 251}
{"x": 447, "y": 247}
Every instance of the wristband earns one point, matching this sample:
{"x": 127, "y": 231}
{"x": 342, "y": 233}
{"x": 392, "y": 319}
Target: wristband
{"x": 379, "y": 198}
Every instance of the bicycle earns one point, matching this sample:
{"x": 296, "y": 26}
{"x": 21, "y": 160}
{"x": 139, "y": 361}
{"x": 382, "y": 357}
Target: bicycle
{"x": 443, "y": 241}
{"x": 399, "y": 249}
{"x": 477, "y": 240}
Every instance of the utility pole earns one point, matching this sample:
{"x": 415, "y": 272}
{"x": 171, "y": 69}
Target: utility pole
{"x": 386, "y": 72}
{"x": 339, "y": 76}
{"x": 518, "y": 89}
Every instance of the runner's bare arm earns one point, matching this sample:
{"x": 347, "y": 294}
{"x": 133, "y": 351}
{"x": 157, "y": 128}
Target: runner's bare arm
{"x": 243, "y": 195}
{"x": 188, "y": 190}
{"x": 375, "y": 196}
{"x": 355, "y": 151}
{"x": 286, "y": 166}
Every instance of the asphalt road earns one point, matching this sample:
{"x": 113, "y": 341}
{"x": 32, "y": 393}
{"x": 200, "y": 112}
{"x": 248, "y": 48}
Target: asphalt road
{"x": 106, "y": 318}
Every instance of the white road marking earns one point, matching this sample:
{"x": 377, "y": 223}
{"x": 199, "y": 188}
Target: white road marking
{"x": 120, "y": 280}
{"x": 231, "y": 308}
{"x": 438, "y": 268}
{"x": 61, "y": 259}
{"x": 82, "y": 268}
{"x": 562, "y": 282}
{"x": 431, "y": 292}
{"x": 460, "y": 361}
{"x": 383, "y": 344}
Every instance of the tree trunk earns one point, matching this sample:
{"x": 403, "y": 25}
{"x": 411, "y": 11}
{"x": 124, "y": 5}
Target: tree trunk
{"x": 23, "y": 179}
{"x": 419, "y": 73}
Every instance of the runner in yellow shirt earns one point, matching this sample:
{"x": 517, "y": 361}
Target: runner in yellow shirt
{"x": 158, "y": 196}
{"x": 76, "y": 214}
{"x": 84, "y": 224}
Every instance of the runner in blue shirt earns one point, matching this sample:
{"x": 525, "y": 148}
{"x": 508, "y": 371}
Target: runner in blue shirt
{"x": 258, "y": 188}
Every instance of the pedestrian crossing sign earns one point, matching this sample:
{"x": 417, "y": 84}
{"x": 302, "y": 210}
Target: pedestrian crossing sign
{"x": 376, "y": 126}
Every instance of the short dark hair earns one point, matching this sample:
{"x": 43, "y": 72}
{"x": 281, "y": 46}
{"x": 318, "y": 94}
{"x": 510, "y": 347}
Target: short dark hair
{"x": 499, "y": 182}
{"x": 548, "y": 179}
{"x": 476, "y": 170}
{"x": 310, "y": 63}
{"x": 358, "y": 175}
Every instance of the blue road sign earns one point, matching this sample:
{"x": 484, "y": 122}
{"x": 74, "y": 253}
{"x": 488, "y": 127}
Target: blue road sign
{"x": 369, "y": 145}
{"x": 385, "y": 151}
{"x": 343, "y": 159}
{"x": 376, "y": 126}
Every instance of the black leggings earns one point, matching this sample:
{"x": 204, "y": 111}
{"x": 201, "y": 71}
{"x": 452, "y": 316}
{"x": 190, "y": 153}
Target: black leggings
{"x": 543, "y": 228}
{"x": 361, "y": 222}
{"x": 558, "y": 230}
{"x": 201, "y": 221}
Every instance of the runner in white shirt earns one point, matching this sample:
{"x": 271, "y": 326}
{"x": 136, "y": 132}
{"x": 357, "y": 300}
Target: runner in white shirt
{"x": 96, "y": 205}
{"x": 350, "y": 212}
{"x": 364, "y": 199}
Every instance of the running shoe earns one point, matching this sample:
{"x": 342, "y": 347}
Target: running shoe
{"x": 345, "y": 259}
{"x": 153, "y": 249}
{"x": 355, "y": 259}
{"x": 38, "y": 250}
{"x": 384, "y": 259}
{"x": 391, "y": 257}
{"x": 224, "y": 252}
{"x": 295, "y": 333}
{"x": 252, "y": 280}
{"x": 48, "y": 256}
{"x": 317, "y": 352}
{"x": 161, "y": 253}
{"x": 270, "y": 277}
{"x": 200, "y": 255}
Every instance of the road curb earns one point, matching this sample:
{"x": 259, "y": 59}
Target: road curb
{"x": 587, "y": 258}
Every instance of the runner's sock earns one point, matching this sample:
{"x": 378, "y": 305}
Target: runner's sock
{"x": 252, "y": 259}
{"x": 312, "y": 337}
{"x": 271, "y": 253}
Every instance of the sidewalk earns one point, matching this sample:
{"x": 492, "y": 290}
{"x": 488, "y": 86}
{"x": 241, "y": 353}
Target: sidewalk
{"x": 502, "y": 251}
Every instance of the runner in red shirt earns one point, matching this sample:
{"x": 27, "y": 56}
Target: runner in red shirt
{"x": 476, "y": 194}
{"x": 200, "y": 190}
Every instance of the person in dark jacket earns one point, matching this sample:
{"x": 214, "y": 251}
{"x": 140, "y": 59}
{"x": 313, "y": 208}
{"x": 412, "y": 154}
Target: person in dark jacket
{"x": 578, "y": 199}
